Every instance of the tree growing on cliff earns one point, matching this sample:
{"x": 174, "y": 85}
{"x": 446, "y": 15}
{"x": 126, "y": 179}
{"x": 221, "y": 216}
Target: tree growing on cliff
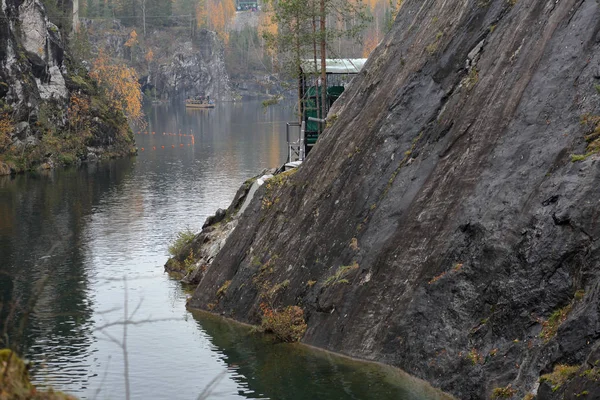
{"x": 307, "y": 29}
{"x": 120, "y": 85}
{"x": 6, "y": 127}
{"x": 78, "y": 115}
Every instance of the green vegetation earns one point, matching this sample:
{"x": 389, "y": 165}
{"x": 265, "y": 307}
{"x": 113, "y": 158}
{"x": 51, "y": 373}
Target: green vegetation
{"x": 222, "y": 291}
{"x": 471, "y": 80}
{"x": 270, "y": 197}
{"x": 475, "y": 357}
{"x": 503, "y": 392}
{"x": 331, "y": 120}
{"x": 270, "y": 102}
{"x": 591, "y": 124}
{"x": 433, "y": 47}
{"x": 189, "y": 262}
{"x": 15, "y": 384}
{"x": 340, "y": 274}
{"x": 182, "y": 239}
{"x": 592, "y": 374}
{"x": 550, "y": 327}
{"x": 278, "y": 288}
{"x": 561, "y": 374}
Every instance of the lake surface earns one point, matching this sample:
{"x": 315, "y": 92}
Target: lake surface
{"x": 82, "y": 248}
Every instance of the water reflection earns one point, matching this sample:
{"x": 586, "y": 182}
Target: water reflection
{"x": 296, "y": 372}
{"x": 71, "y": 237}
{"x": 44, "y": 264}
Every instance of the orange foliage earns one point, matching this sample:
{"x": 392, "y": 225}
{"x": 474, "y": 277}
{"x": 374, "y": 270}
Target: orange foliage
{"x": 370, "y": 43}
{"x": 78, "y": 113}
{"x": 372, "y": 4}
{"x": 149, "y": 56}
{"x": 216, "y": 15}
{"x": 6, "y": 128}
{"x": 286, "y": 324}
{"x": 132, "y": 39}
{"x": 120, "y": 84}
{"x": 266, "y": 24}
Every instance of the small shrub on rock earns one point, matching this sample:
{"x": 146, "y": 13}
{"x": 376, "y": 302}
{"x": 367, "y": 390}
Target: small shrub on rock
{"x": 182, "y": 239}
{"x": 287, "y": 325}
{"x": 561, "y": 374}
{"x": 503, "y": 392}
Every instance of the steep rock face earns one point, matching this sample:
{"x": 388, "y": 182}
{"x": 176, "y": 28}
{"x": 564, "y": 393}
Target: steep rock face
{"x": 195, "y": 70}
{"x": 182, "y": 66}
{"x": 37, "y": 79}
{"x": 440, "y": 224}
{"x": 30, "y": 48}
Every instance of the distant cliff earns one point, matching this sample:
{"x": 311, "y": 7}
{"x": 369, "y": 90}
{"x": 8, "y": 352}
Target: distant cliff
{"x": 183, "y": 63}
{"x": 447, "y": 223}
{"x": 38, "y": 79}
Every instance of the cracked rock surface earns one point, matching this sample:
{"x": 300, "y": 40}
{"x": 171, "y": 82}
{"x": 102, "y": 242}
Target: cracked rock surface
{"x": 446, "y": 189}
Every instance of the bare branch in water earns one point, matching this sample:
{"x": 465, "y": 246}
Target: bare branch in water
{"x": 208, "y": 390}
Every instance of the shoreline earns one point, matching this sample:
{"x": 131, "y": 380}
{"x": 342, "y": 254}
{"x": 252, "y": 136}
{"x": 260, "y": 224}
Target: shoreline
{"x": 403, "y": 374}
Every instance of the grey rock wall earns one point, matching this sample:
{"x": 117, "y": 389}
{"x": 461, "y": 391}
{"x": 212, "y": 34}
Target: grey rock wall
{"x": 37, "y": 79}
{"x": 445, "y": 198}
{"x": 195, "y": 68}
{"x": 183, "y": 66}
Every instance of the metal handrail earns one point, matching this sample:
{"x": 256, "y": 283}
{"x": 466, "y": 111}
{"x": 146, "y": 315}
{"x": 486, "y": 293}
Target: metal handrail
{"x": 294, "y": 147}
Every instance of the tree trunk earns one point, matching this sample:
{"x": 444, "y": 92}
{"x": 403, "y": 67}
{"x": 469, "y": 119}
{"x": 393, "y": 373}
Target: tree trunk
{"x": 317, "y": 101}
{"x": 323, "y": 62}
{"x": 144, "y": 16}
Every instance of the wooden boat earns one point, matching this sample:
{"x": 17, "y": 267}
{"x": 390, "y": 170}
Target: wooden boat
{"x": 190, "y": 103}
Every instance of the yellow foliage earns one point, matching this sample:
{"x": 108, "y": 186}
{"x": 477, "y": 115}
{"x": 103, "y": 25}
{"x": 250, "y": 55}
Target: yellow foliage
{"x": 216, "y": 15}
{"x": 149, "y": 56}
{"x": 266, "y": 24}
{"x": 370, "y": 43}
{"x": 6, "y": 128}
{"x": 78, "y": 113}
{"x": 132, "y": 39}
{"x": 121, "y": 86}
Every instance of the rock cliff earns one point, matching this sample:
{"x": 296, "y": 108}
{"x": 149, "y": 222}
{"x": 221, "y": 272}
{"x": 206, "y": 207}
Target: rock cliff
{"x": 37, "y": 79}
{"x": 196, "y": 67}
{"x": 441, "y": 224}
{"x": 183, "y": 65}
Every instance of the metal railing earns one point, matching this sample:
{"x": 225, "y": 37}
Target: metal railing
{"x": 296, "y": 150}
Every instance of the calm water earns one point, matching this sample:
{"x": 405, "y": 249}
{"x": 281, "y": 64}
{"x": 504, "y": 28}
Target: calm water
{"x": 88, "y": 246}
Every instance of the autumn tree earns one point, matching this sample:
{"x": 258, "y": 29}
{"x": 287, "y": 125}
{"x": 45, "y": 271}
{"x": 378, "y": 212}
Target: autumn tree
{"x": 6, "y": 127}
{"x": 131, "y": 42}
{"x": 120, "y": 85}
{"x": 292, "y": 40}
{"x": 216, "y": 15}
{"x": 78, "y": 111}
